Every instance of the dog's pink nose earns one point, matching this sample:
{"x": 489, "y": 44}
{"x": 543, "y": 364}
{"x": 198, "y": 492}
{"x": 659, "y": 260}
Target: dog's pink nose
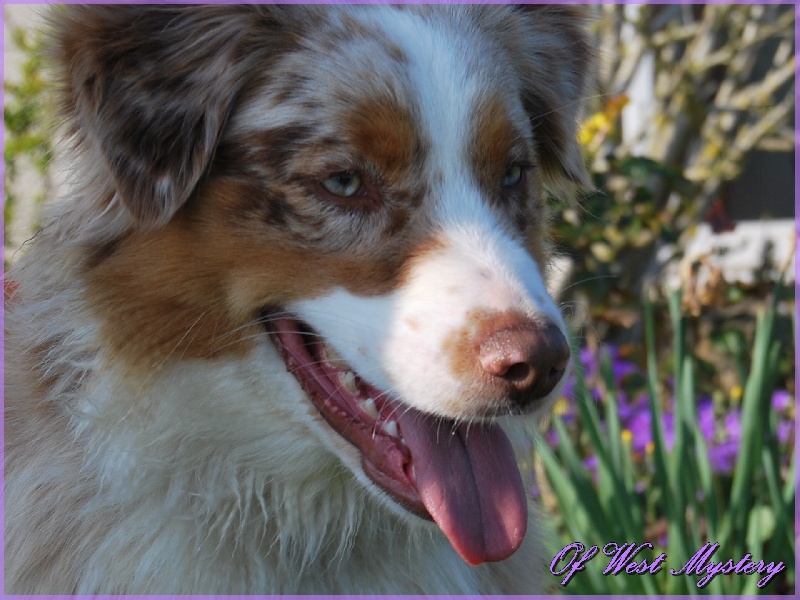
{"x": 531, "y": 358}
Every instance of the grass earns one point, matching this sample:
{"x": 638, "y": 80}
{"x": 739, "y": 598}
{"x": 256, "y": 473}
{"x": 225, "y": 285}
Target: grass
{"x": 686, "y": 487}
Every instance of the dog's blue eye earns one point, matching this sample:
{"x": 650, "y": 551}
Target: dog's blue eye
{"x": 345, "y": 184}
{"x": 513, "y": 176}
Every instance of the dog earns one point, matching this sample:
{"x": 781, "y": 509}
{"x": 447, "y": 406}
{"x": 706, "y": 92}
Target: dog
{"x": 289, "y": 328}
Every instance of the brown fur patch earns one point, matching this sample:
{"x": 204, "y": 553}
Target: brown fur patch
{"x": 493, "y": 140}
{"x": 461, "y": 346}
{"x": 195, "y": 288}
{"x": 498, "y": 144}
{"x": 386, "y": 134}
{"x": 158, "y": 298}
{"x": 412, "y": 323}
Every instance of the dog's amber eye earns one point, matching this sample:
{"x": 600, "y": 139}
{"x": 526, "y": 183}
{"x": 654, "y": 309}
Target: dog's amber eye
{"x": 513, "y": 175}
{"x": 345, "y": 184}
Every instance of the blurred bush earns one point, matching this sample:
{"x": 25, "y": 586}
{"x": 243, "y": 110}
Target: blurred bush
{"x": 687, "y": 94}
{"x": 27, "y": 152}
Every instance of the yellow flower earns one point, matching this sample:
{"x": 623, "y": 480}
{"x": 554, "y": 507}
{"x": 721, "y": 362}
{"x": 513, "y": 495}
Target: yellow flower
{"x": 560, "y": 407}
{"x": 602, "y": 122}
{"x": 591, "y": 126}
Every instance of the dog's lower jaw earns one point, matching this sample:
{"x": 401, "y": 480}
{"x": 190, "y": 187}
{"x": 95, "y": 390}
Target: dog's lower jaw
{"x": 462, "y": 475}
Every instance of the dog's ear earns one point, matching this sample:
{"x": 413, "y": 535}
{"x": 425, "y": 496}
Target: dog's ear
{"x": 550, "y": 47}
{"x": 148, "y": 90}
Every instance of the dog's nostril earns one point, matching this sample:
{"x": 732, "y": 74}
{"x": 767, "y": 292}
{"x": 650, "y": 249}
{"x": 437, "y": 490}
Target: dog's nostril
{"x": 518, "y": 372}
{"x": 530, "y": 357}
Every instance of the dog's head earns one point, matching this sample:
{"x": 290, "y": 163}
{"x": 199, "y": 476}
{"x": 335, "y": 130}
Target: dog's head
{"x": 363, "y": 188}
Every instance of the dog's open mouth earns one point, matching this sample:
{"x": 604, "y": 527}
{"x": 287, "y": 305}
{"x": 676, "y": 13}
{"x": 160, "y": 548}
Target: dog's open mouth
{"x": 463, "y": 476}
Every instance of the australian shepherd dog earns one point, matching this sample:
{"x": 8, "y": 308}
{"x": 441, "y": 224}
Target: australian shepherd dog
{"x": 288, "y": 328}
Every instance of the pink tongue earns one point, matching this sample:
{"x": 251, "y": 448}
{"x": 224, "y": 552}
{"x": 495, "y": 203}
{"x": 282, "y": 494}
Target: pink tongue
{"x": 469, "y": 482}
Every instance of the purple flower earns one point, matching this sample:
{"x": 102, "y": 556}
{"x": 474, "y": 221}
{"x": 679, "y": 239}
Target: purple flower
{"x": 641, "y": 433}
{"x": 569, "y": 388}
{"x": 669, "y": 430}
{"x": 733, "y": 425}
{"x": 626, "y": 412}
{"x": 705, "y": 418}
{"x": 589, "y": 361}
{"x": 622, "y": 369}
{"x": 723, "y": 456}
{"x": 590, "y": 462}
{"x": 785, "y": 432}
{"x": 781, "y": 400}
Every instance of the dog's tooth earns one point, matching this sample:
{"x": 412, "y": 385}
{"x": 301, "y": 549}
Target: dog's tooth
{"x": 330, "y": 356}
{"x": 390, "y": 428}
{"x": 368, "y": 406}
{"x": 325, "y": 352}
{"x": 348, "y": 381}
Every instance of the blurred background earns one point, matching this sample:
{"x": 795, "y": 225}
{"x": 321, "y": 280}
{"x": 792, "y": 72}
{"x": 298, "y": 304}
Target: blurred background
{"x": 676, "y": 274}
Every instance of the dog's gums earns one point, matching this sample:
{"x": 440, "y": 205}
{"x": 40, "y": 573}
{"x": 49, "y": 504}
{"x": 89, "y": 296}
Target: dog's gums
{"x": 463, "y": 476}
